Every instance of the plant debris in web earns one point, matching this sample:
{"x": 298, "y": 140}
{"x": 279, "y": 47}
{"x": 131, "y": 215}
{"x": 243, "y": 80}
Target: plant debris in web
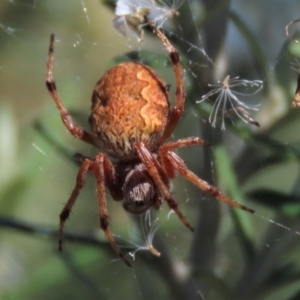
{"x": 228, "y": 94}
{"x": 130, "y": 14}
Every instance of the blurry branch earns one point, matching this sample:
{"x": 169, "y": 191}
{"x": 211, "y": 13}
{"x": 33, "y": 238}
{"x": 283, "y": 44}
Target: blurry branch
{"x": 275, "y": 244}
{"x": 284, "y": 151}
{"x": 288, "y": 151}
{"x": 207, "y": 227}
{"x": 51, "y": 233}
{"x": 272, "y": 151}
{"x": 214, "y": 32}
{"x": 180, "y": 288}
{"x": 212, "y": 11}
{"x": 79, "y": 274}
{"x": 220, "y": 286}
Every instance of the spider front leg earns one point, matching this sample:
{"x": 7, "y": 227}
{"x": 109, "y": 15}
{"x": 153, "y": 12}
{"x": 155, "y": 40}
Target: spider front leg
{"x": 80, "y": 180}
{"x": 75, "y": 130}
{"x": 103, "y": 171}
{"x": 165, "y": 148}
{"x": 177, "y": 111}
{"x": 160, "y": 178}
{"x": 173, "y": 161}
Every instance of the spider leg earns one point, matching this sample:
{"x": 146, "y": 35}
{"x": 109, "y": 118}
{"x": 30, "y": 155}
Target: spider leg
{"x": 165, "y": 148}
{"x": 158, "y": 175}
{"x": 190, "y": 141}
{"x": 80, "y": 180}
{"x": 101, "y": 171}
{"x": 177, "y": 163}
{"x": 75, "y": 130}
{"x": 115, "y": 187}
{"x": 177, "y": 111}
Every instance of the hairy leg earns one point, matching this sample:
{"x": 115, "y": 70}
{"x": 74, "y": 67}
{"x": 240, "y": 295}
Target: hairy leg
{"x": 75, "y": 130}
{"x": 177, "y": 163}
{"x": 100, "y": 169}
{"x": 157, "y": 174}
{"x": 80, "y": 180}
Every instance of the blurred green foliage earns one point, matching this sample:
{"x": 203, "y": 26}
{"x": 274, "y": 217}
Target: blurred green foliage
{"x": 232, "y": 254}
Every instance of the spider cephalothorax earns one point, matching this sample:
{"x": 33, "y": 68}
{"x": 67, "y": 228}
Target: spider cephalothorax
{"x": 131, "y": 120}
{"x": 139, "y": 190}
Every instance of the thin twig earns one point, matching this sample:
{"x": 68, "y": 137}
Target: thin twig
{"x": 48, "y": 232}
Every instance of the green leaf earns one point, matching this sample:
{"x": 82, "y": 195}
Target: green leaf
{"x": 227, "y": 179}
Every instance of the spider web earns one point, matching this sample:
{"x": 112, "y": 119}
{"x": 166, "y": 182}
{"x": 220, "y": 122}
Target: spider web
{"x": 264, "y": 161}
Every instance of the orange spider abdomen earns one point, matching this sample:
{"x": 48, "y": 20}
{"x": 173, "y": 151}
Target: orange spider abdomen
{"x": 130, "y": 104}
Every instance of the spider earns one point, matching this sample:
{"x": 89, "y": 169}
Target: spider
{"x": 131, "y": 121}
